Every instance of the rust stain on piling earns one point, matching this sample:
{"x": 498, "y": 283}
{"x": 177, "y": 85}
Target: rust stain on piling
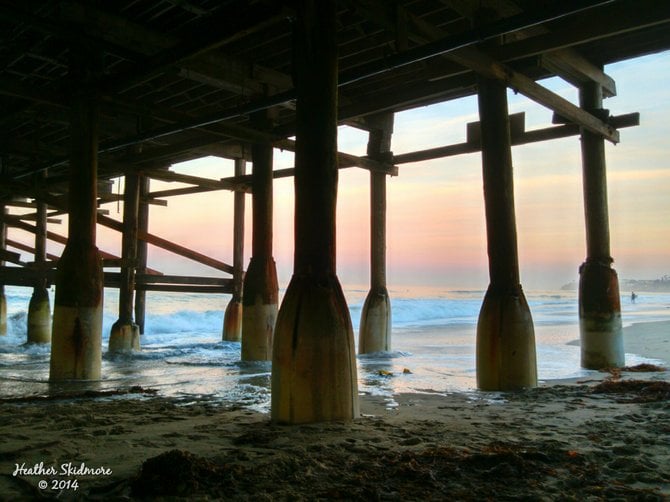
{"x": 599, "y": 288}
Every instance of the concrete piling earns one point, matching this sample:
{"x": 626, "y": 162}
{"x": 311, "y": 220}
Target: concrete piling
{"x": 3, "y": 298}
{"x": 232, "y": 318}
{"x": 76, "y": 348}
{"x": 125, "y": 334}
{"x": 506, "y": 357}
{"x": 600, "y": 327}
{"x": 39, "y": 308}
{"x": 142, "y": 226}
{"x": 261, "y": 289}
{"x": 375, "y": 326}
{"x": 313, "y": 363}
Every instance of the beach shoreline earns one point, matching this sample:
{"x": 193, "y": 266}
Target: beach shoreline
{"x": 648, "y": 339}
{"x": 597, "y": 438}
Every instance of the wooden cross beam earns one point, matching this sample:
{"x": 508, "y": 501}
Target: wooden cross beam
{"x": 577, "y": 70}
{"x": 519, "y": 136}
{"x": 483, "y": 64}
{"x": 169, "y": 246}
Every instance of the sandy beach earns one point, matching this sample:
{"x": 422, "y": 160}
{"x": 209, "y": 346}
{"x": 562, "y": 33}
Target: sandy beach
{"x": 602, "y": 438}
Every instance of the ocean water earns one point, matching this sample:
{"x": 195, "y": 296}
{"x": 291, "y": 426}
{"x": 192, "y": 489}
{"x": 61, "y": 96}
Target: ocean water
{"x": 183, "y": 357}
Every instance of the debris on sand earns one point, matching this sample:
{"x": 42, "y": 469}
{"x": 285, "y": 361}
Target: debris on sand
{"x": 635, "y": 391}
{"x": 500, "y": 470}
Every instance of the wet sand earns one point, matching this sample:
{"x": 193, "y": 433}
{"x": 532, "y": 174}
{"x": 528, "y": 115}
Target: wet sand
{"x": 648, "y": 339}
{"x": 599, "y": 439}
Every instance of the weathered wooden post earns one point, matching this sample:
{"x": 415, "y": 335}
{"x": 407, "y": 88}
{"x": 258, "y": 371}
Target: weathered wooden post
{"x": 375, "y": 327}
{"x": 76, "y": 349}
{"x": 142, "y": 226}
{"x": 3, "y": 298}
{"x": 313, "y": 361}
{"x": 505, "y": 333}
{"x": 232, "y": 319}
{"x": 125, "y": 334}
{"x": 599, "y": 302}
{"x": 261, "y": 289}
{"x": 39, "y": 308}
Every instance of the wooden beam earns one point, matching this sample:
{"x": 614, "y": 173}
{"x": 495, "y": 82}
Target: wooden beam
{"x": 346, "y": 159}
{"x": 209, "y": 140}
{"x": 112, "y": 279}
{"x": 10, "y": 256}
{"x": 15, "y": 222}
{"x": 222, "y": 27}
{"x": 170, "y": 288}
{"x": 179, "y": 285}
{"x": 25, "y": 203}
{"x": 169, "y": 246}
{"x": 24, "y": 276}
{"x": 33, "y": 217}
{"x": 449, "y": 44}
{"x": 171, "y": 176}
{"x": 577, "y": 70}
{"x": 106, "y": 199}
{"x": 485, "y": 65}
{"x": 613, "y": 19}
{"x": 246, "y": 181}
{"x": 33, "y": 149}
{"x": 143, "y": 279}
{"x": 518, "y": 138}
{"x": 221, "y": 69}
{"x": 252, "y": 135}
{"x": 185, "y": 252}
{"x": 28, "y": 249}
{"x": 154, "y": 196}
{"x": 517, "y": 124}
{"x": 566, "y": 63}
{"x": 16, "y": 89}
{"x": 243, "y": 183}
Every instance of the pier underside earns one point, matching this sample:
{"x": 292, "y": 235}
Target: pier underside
{"x": 96, "y": 92}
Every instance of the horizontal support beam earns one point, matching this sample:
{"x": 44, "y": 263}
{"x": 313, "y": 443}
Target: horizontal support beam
{"x": 245, "y": 181}
{"x": 144, "y": 279}
{"x": 10, "y": 256}
{"x": 171, "y": 176}
{"x": 346, "y": 159}
{"x": 27, "y": 276}
{"x": 154, "y": 196}
{"x": 33, "y": 217}
{"x": 519, "y": 138}
{"x": 170, "y": 288}
{"x": 106, "y": 199}
{"x": 24, "y": 276}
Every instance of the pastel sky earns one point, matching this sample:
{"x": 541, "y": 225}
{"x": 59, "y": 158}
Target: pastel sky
{"x": 435, "y": 221}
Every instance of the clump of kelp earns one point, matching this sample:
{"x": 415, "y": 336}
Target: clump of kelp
{"x": 634, "y": 391}
{"x": 498, "y": 471}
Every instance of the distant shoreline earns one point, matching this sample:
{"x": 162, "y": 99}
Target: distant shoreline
{"x": 661, "y": 285}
